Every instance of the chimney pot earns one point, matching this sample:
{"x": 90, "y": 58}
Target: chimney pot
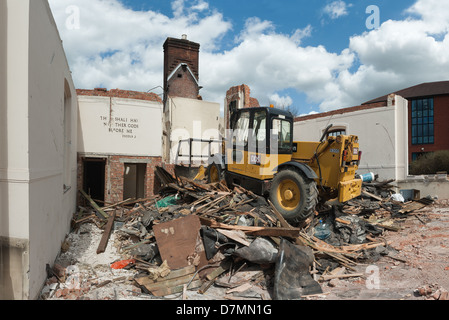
{"x": 184, "y": 37}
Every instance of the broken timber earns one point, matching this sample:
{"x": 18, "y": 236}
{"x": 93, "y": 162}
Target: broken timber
{"x": 173, "y": 283}
{"x": 255, "y": 231}
{"x": 416, "y": 205}
{"x": 106, "y": 234}
{"x": 93, "y": 204}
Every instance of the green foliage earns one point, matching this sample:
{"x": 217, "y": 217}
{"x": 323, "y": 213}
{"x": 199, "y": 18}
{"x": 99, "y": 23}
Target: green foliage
{"x": 431, "y": 163}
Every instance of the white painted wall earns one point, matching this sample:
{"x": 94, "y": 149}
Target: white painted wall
{"x": 119, "y": 126}
{"x": 191, "y": 118}
{"x": 35, "y": 207}
{"x": 382, "y": 132}
{"x": 14, "y": 171}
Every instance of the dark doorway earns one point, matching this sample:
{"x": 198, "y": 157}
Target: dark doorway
{"x": 134, "y": 180}
{"x": 94, "y": 178}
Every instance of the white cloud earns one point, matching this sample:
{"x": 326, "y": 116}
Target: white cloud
{"x": 280, "y": 102}
{"x": 254, "y": 28}
{"x": 307, "y": 114}
{"x": 117, "y": 47}
{"x": 300, "y": 34}
{"x": 269, "y": 62}
{"x": 336, "y": 9}
{"x": 401, "y": 53}
{"x": 434, "y": 13}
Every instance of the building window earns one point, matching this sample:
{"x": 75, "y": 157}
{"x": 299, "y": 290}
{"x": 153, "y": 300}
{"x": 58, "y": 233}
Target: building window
{"x": 336, "y": 132}
{"x": 417, "y": 155}
{"x": 422, "y": 121}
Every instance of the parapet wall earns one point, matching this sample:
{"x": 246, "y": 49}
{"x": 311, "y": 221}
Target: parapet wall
{"x": 428, "y": 185}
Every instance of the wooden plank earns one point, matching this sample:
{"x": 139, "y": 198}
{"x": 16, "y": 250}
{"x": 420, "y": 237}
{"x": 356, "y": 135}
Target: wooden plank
{"x": 235, "y": 235}
{"x": 369, "y": 194}
{"x": 143, "y": 281}
{"x": 280, "y": 217}
{"x": 170, "y": 282}
{"x": 175, "y": 282}
{"x": 106, "y": 234}
{"x": 117, "y": 204}
{"x": 209, "y": 204}
{"x": 326, "y": 277}
{"x": 256, "y": 231}
{"x": 343, "y": 221}
{"x": 412, "y": 207}
{"x": 165, "y": 291}
{"x": 184, "y": 190}
{"x": 223, "y": 267}
{"x": 93, "y": 204}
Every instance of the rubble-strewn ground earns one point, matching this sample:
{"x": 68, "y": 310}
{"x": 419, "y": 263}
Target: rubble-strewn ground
{"x": 423, "y": 243}
{"x": 421, "y": 270}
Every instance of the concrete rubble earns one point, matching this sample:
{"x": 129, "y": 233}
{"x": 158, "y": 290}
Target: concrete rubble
{"x": 200, "y": 241}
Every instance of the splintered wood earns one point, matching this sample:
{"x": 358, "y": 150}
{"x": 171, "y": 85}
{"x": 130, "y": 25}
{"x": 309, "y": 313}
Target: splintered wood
{"x": 173, "y": 226}
{"x": 174, "y": 282}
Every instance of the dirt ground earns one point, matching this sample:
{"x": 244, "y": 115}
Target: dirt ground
{"x": 423, "y": 245}
{"x": 419, "y": 272}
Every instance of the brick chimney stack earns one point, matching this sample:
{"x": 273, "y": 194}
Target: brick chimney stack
{"x": 182, "y": 57}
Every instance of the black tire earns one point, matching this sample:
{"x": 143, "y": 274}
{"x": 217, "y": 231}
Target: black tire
{"x": 214, "y": 173}
{"x": 304, "y": 195}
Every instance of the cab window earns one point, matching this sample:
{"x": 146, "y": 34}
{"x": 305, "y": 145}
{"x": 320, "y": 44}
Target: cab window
{"x": 241, "y": 129}
{"x": 282, "y": 134}
{"x": 259, "y": 126}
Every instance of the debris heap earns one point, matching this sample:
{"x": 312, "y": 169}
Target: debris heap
{"x": 194, "y": 235}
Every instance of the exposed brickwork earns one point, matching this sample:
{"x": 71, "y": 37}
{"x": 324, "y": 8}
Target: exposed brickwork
{"x": 182, "y": 84}
{"x": 233, "y": 94}
{"x": 118, "y": 93}
{"x": 177, "y": 51}
{"x": 253, "y": 102}
{"x": 341, "y": 111}
{"x": 114, "y": 175}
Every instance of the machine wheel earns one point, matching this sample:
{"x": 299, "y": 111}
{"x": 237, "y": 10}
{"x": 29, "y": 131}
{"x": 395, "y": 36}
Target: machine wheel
{"x": 214, "y": 173}
{"x": 293, "y": 195}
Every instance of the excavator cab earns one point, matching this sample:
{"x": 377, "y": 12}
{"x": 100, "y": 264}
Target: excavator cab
{"x": 260, "y": 155}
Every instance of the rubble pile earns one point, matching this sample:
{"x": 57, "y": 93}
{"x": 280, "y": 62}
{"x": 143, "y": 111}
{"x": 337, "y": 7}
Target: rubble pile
{"x": 194, "y": 236}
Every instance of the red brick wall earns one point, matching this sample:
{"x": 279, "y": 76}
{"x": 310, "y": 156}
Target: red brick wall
{"x": 342, "y": 111}
{"x": 233, "y": 95}
{"x": 118, "y": 93}
{"x": 184, "y": 86}
{"x": 177, "y": 51}
{"x": 114, "y": 175}
{"x": 441, "y": 127}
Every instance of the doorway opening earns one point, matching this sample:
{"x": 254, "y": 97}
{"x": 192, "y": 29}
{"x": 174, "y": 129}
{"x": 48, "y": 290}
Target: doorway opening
{"x": 94, "y": 177}
{"x": 134, "y": 180}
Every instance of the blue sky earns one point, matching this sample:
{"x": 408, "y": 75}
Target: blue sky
{"x": 313, "y": 56}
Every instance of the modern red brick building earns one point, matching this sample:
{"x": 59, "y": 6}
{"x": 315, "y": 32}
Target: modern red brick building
{"x": 428, "y": 116}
